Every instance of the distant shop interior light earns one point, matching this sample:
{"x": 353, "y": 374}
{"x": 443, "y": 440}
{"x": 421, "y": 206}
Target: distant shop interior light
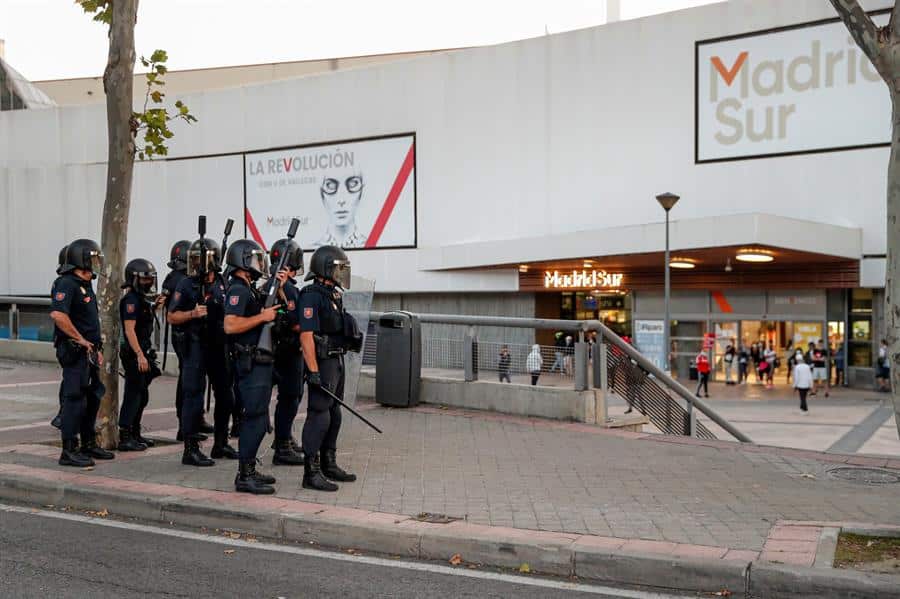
{"x": 728, "y": 265}
{"x": 682, "y": 263}
{"x": 754, "y": 255}
{"x": 523, "y": 268}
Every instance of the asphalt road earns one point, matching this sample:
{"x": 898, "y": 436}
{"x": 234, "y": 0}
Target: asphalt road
{"x": 49, "y": 554}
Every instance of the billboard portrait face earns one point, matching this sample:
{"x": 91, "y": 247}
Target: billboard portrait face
{"x": 356, "y": 194}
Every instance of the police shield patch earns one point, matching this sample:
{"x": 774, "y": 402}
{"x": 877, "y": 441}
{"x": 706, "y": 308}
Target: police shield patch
{"x": 177, "y": 295}
{"x": 129, "y": 308}
{"x": 234, "y": 300}
{"x": 291, "y": 306}
{"x": 60, "y": 296}
{"x": 307, "y": 312}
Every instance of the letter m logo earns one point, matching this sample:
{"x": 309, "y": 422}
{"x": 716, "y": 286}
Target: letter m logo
{"x": 727, "y": 75}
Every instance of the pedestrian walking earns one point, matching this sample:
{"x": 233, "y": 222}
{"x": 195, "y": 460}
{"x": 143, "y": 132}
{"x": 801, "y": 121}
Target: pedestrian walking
{"x": 534, "y": 362}
{"x": 729, "y": 359}
{"x": 756, "y": 358}
{"x": 771, "y": 359}
{"x": 560, "y": 345}
{"x": 883, "y": 368}
{"x": 803, "y": 379}
{"x": 503, "y": 363}
{"x": 702, "y": 362}
{"x": 569, "y": 354}
{"x": 743, "y": 361}
{"x": 839, "y": 365}
{"x": 790, "y": 359}
{"x": 819, "y": 356}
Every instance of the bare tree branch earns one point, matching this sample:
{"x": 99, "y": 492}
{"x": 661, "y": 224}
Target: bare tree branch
{"x": 862, "y": 28}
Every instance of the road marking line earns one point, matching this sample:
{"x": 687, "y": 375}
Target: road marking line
{"x": 32, "y": 384}
{"x": 359, "y": 559}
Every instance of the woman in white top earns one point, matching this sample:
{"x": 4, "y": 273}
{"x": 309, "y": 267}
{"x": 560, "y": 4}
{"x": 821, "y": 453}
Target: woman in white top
{"x": 802, "y": 379}
{"x": 769, "y": 355}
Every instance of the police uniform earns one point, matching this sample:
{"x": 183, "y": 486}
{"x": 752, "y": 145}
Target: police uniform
{"x": 288, "y": 375}
{"x": 321, "y": 313}
{"x": 254, "y": 375}
{"x": 81, "y": 387}
{"x": 134, "y": 307}
{"x": 169, "y": 286}
{"x": 204, "y": 357}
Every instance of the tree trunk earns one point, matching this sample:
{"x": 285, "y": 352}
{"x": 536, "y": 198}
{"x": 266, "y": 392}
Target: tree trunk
{"x": 892, "y": 273}
{"x": 118, "y": 81}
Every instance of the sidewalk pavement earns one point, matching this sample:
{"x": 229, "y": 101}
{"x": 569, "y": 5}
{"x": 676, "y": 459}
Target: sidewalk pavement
{"x": 524, "y": 490}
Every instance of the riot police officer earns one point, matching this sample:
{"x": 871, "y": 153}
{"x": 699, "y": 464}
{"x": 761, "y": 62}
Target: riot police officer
{"x": 178, "y": 272}
{"x": 197, "y": 315}
{"x": 245, "y": 317}
{"x": 288, "y": 360}
{"x": 326, "y": 333}
{"x": 61, "y": 269}
{"x": 136, "y": 312}
{"x": 78, "y": 343}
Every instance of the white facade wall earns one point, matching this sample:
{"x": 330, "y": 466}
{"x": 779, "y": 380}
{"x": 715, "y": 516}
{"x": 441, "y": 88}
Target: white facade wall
{"x": 565, "y": 133}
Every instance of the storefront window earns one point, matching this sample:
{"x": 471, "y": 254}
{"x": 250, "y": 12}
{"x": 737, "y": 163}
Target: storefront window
{"x": 612, "y": 309}
{"x": 860, "y": 342}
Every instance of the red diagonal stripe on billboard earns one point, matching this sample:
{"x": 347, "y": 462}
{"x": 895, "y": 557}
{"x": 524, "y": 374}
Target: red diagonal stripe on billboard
{"x": 254, "y": 232}
{"x": 388, "y": 208}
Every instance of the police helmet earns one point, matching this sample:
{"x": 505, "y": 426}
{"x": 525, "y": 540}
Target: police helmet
{"x": 204, "y": 256}
{"x": 246, "y": 254}
{"x": 178, "y": 255}
{"x": 135, "y": 272}
{"x": 331, "y": 263}
{"x": 61, "y": 267}
{"x": 293, "y": 255}
{"x": 84, "y": 254}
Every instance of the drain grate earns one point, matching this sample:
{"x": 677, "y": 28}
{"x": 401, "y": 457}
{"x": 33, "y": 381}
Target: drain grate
{"x": 435, "y": 518}
{"x": 867, "y": 476}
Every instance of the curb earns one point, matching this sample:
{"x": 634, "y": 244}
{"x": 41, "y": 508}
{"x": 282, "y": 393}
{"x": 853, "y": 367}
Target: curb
{"x": 589, "y": 558}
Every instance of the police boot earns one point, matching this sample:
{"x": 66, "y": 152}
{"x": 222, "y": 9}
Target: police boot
{"x": 71, "y": 457}
{"x": 90, "y": 448}
{"x": 136, "y": 433}
{"x": 222, "y": 450}
{"x": 285, "y": 455}
{"x": 235, "y": 427}
{"x": 248, "y": 480}
{"x": 312, "y": 476}
{"x": 128, "y": 443}
{"x": 192, "y": 455}
{"x": 331, "y": 470}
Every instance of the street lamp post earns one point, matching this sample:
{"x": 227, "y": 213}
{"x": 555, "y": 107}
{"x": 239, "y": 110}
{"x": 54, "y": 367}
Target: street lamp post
{"x": 667, "y": 201}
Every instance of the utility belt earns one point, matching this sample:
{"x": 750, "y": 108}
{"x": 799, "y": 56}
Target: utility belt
{"x": 69, "y": 353}
{"x": 329, "y": 346}
{"x": 245, "y": 356}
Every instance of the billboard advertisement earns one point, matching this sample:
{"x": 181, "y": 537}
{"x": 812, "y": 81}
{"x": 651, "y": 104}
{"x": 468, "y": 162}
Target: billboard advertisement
{"x": 356, "y": 194}
{"x": 788, "y": 91}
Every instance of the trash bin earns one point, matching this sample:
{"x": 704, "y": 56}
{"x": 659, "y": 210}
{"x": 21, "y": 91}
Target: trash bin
{"x": 693, "y": 372}
{"x": 398, "y": 360}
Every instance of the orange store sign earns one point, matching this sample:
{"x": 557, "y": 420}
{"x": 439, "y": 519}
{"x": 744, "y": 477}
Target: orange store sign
{"x": 579, "y": 279}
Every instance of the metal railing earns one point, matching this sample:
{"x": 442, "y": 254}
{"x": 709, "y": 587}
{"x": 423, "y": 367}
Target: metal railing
{"x": 662, "y": 395}
{"x": 19, "y": 324}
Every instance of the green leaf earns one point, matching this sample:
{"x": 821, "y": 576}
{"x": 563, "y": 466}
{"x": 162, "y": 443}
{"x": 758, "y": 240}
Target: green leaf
{"x": 141, "y": 155}
{"x": 168, "y": 134}
{"x": 161, "y": 69}
{"x": 178, "y": 104}
{"x": 159, "y": 56}
{"x": 157, "y": 97}
{"x": 151, "y": 77}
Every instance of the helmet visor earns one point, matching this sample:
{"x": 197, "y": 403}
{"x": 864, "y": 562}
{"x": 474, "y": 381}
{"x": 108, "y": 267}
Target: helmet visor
{"x": 200, "y": 263}
{"x": 341, "y": 274}
{"x": 258, "y": 262}
{"x": 146, "y": 284}
{"x": 96, "y": 261}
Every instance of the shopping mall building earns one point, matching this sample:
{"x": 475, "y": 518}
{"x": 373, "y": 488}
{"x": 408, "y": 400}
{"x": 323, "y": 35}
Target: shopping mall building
{"x": 521, "y": 179}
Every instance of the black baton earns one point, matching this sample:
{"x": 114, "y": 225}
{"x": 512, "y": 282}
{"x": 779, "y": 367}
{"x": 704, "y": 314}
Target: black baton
{"x": 351, "y": 410}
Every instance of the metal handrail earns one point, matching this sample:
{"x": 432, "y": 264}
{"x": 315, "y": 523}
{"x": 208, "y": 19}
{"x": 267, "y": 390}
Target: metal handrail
{"x": 25, "y": 301}
{"x": 586, "y": 326}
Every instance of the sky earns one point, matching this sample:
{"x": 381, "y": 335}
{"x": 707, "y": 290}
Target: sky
{"x": 54, "y": 39}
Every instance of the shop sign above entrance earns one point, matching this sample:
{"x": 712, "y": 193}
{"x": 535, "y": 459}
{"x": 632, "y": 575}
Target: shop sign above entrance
{"x": 582, "y": 279}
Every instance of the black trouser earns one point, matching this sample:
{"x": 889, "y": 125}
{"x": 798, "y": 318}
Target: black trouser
{"x": 179, "y": 387}
{"x": 504, "y": 375}
{"x": 704, "y": 382}
{"x": 255, "y": 384}
{"x": 289, "y": 374}
{"x": 81, "y": 391}
{"x": 136, "y": 394}
{"x": 803, "y": 393}
{"x": 534, "y": 378}
{"x": 203, "y": 360}
{"x": 323, "y": 414}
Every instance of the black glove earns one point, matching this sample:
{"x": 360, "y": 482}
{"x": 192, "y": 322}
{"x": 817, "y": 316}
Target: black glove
{"x": 314, "y": 379}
